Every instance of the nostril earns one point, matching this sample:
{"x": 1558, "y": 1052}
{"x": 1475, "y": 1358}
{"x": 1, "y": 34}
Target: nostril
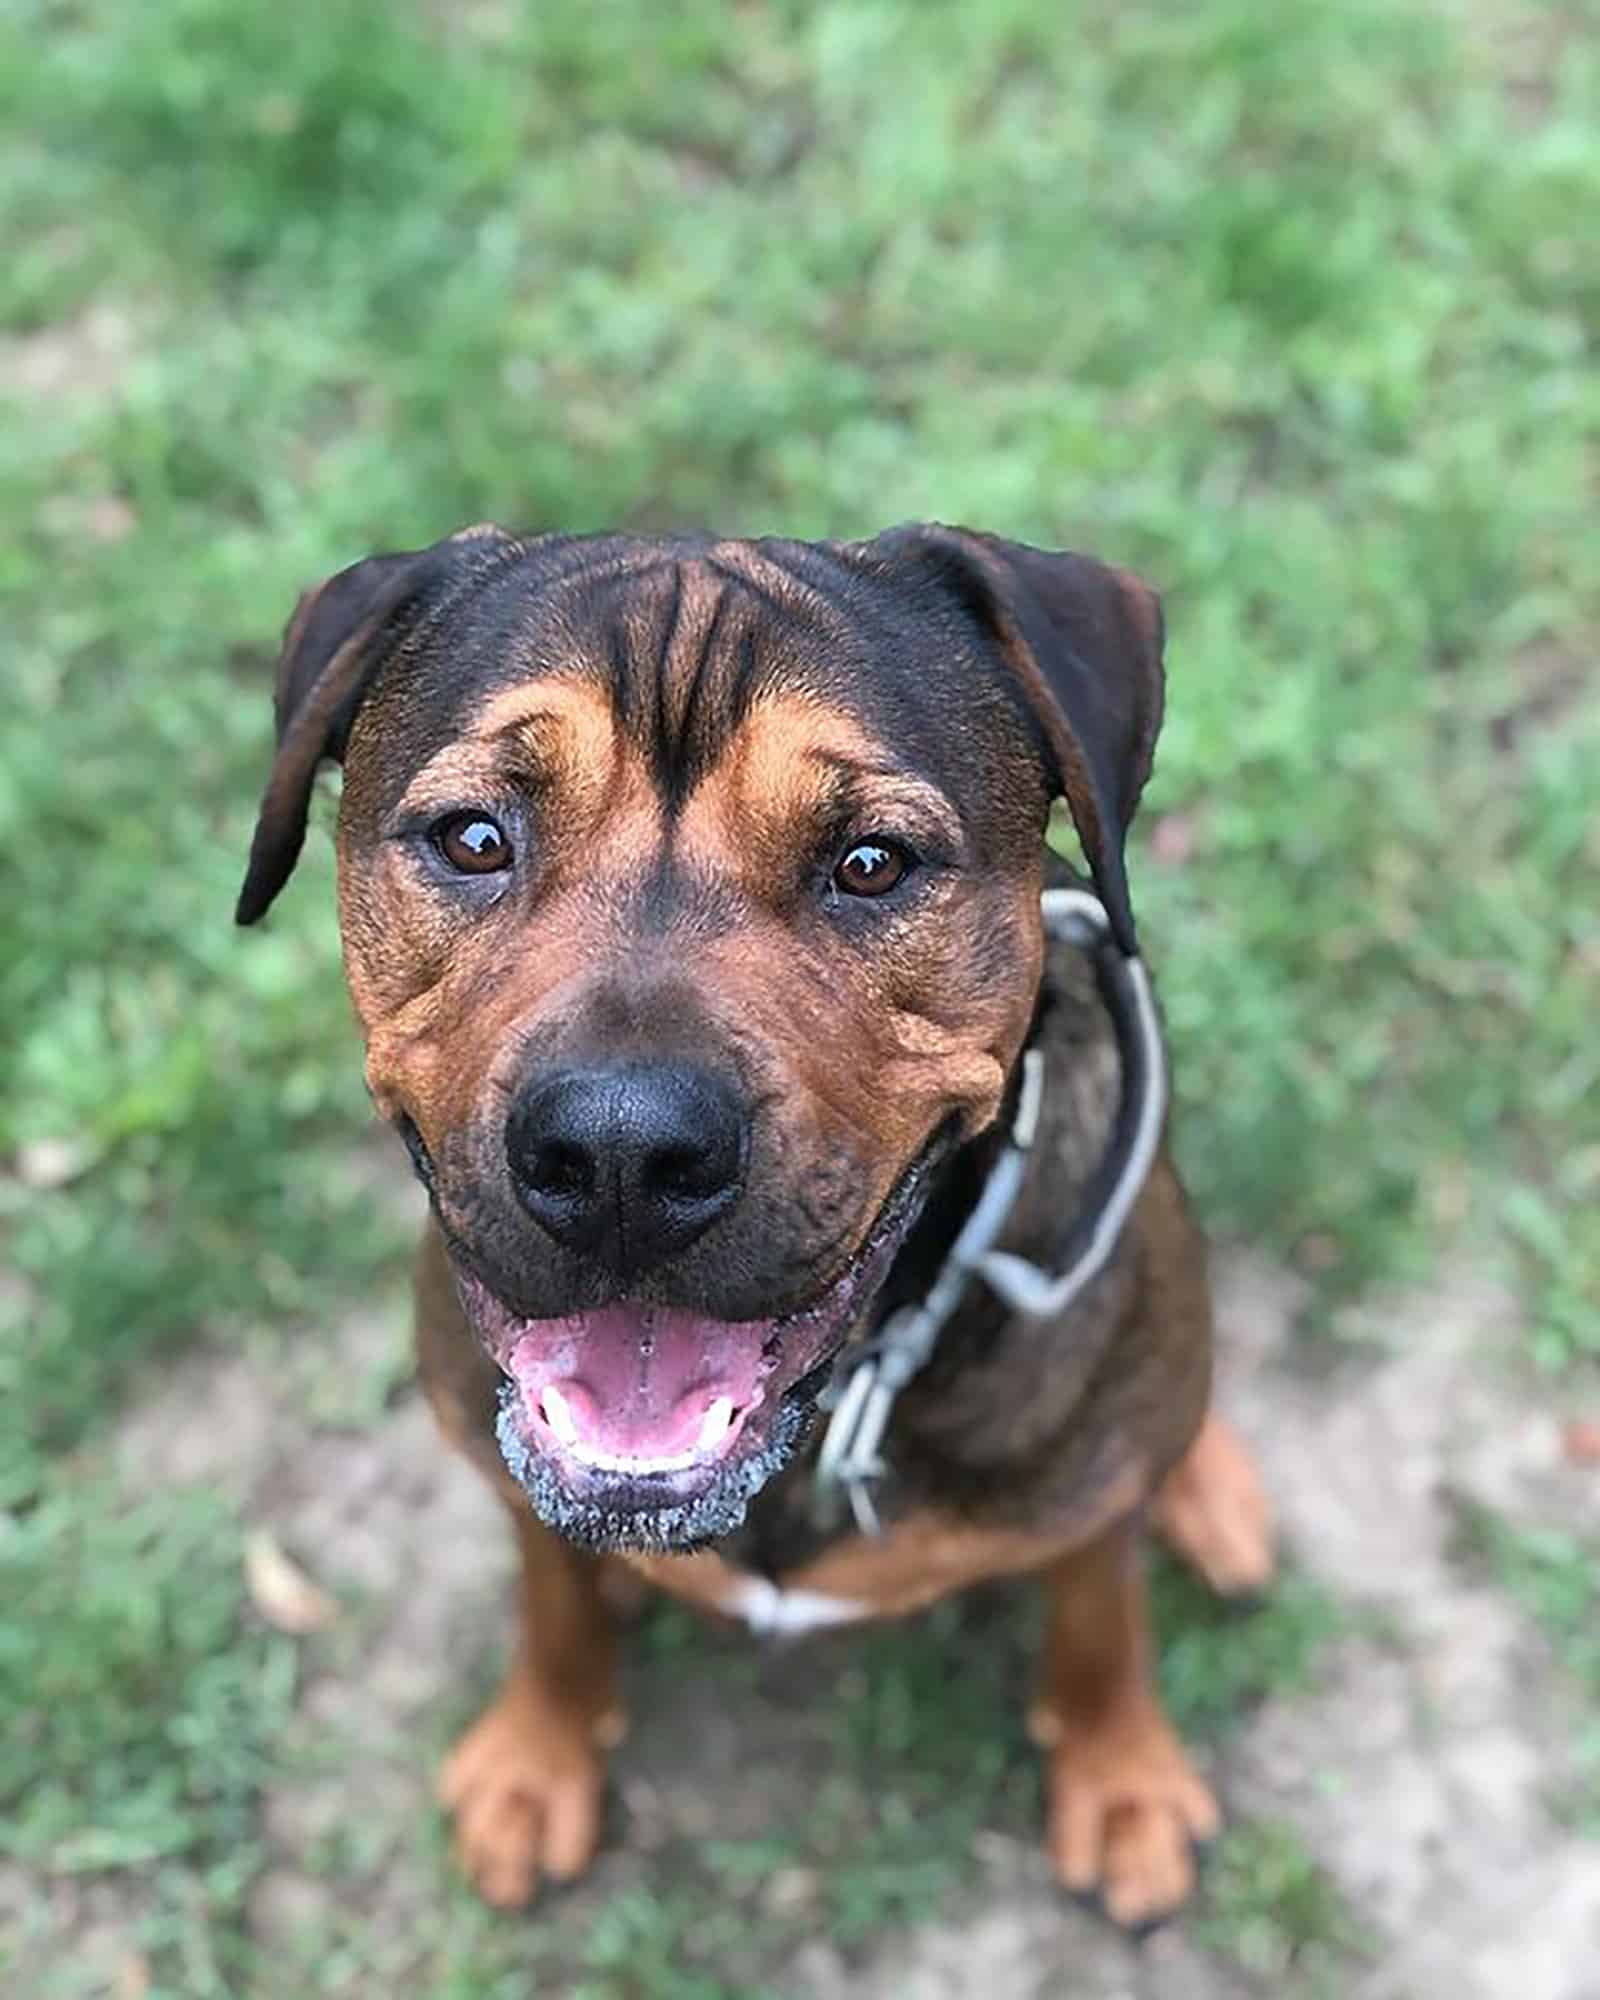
{"x": 686, "y": 1173}
{"x": 560, "y": 1169}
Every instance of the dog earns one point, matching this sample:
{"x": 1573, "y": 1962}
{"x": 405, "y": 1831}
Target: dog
{"x": 692, "y": 896}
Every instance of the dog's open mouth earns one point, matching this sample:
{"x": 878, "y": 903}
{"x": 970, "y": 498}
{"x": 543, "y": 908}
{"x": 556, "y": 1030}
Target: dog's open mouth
{"x": 636, "y": 1426}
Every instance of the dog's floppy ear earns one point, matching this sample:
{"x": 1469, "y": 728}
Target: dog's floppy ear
{"x": 1084, "y": 643}
{"x": 339, "y": 634}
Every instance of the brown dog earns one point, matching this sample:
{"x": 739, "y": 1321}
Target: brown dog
{"x": 690, "y": 894}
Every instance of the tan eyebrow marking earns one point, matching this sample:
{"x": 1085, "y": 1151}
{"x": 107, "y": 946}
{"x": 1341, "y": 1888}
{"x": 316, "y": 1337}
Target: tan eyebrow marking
{"x": 783, "y": 765}
{"x": 551, "y": 734}
{"x": 892, "y": 786}
{"x": 579, "y": 708}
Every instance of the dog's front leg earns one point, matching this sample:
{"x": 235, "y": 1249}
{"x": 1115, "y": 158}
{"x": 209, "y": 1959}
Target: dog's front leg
{"x": 1125, "y": 1804}
{"x": 525, "y": 1783}
{"x": 1212, "y": 1510}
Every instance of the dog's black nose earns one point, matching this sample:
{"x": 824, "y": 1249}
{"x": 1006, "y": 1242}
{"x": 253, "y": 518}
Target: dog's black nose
{"x": 628, "y": 1164}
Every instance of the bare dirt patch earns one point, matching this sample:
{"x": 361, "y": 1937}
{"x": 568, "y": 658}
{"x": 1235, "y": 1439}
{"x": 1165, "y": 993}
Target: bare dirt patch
{"x": 1423, "y": 1773}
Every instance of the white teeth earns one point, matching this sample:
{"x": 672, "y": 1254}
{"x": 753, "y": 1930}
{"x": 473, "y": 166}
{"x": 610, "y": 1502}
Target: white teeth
{"x": 718, "y": 1421}
{"x": 608, "y": 1461}
{"x": 557, "y": 1413}
{"x": 558, "y": 1416}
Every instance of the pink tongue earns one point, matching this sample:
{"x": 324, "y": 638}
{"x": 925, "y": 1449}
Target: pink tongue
{"x": 638, "y": 1383}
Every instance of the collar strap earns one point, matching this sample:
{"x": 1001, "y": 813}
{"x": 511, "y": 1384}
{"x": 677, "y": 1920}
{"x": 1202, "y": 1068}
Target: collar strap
{"x": 850, "y": 1459}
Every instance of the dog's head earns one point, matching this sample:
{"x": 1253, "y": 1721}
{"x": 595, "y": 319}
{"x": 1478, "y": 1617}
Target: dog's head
{"x": 690, "y": 901}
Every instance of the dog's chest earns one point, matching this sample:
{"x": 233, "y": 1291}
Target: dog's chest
{"x": 775, "y": 1612}
{"x": 918, "y": 1561}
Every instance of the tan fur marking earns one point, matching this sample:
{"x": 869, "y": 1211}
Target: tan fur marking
{"x": 783, "y": 761}
{"x": 1212, "y": 1509}
{"x": 581, "y": 708}
{"x": 1126, "y": 1805}
{"x": 702, "y": 1579}
{"x": 601, "y": 791}
{"x": 920, "y": 1560}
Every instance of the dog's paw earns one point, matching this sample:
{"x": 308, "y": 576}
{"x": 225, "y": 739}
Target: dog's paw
{"x": 1212, "y": 1510}
{"x": 526, "y": 1794}
{"x": 1125, "y": 1816}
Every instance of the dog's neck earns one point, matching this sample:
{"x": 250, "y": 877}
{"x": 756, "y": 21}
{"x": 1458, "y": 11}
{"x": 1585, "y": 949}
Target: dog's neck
{"x": 988, "y": 1358}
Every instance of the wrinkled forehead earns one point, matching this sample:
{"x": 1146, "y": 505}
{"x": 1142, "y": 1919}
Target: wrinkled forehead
{"x": 672, "y": 646}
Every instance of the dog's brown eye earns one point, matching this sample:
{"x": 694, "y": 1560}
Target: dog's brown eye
{"x": 472, "y": 843}
{"x": 871, "y": 868}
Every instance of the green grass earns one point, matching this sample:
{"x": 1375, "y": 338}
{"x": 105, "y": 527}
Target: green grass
{"x": 1274, "y": 1912}
{"x": 1293, "y": 310}
{"x": 1218, "y": 1659}
{"x": 141, "y": 1717}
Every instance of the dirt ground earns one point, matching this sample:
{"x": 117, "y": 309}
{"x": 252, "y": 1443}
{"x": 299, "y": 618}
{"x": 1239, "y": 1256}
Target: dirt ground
{"x": 1418, "y": 1769}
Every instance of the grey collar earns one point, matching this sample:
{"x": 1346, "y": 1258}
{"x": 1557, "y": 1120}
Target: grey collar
{"x": 861, "y": 1403}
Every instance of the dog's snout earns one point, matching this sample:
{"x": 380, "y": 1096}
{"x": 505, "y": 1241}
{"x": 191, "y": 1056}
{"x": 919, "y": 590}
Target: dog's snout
{"x": 627, "y": 1164}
